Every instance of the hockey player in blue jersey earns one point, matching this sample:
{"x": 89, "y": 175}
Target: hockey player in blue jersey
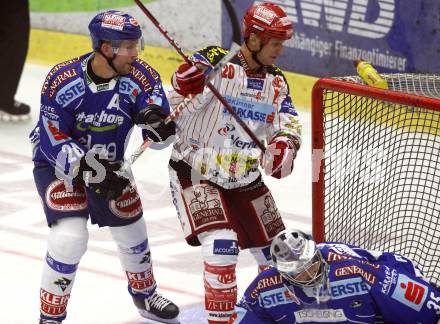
{"x": 336, "y": 283}
{"x": 89, "y": 106}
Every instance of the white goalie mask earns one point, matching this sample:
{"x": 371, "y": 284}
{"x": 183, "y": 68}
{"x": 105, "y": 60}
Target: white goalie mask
{"x": 297, "y": 258}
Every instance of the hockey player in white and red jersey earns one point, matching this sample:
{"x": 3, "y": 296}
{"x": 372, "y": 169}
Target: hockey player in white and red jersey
{"x": 222, "y": 203}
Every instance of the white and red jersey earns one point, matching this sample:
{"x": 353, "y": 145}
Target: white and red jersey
{"x": 211, "y": 142}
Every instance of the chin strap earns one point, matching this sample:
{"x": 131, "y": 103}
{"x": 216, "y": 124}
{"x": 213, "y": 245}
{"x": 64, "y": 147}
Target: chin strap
{"x": 255, "y": 53}
{"x": 109, "y": 60}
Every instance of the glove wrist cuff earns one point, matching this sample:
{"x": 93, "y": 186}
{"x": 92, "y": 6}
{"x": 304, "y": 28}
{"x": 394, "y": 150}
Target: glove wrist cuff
{"x": 292, "y": 141}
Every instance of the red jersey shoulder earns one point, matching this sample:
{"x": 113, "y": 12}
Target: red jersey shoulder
{"x": 279, "y": 78}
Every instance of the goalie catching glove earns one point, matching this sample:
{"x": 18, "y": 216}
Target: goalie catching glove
{"x": 188, "y": 79}
{"x": 91, "y": 170}
{"x": 279, "y": 156}
{"x": 154, "y": 119}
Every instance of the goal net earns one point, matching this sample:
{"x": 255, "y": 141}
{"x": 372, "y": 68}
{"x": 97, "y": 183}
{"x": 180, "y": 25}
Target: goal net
{"x": 376, "y": 166}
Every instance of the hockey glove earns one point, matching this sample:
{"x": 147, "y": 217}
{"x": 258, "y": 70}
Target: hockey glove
{"x": 112, "y": 186}
{"x": 188, "y": 79}
{"x": 279, "y": 157}
{"x": 153, "y": 118}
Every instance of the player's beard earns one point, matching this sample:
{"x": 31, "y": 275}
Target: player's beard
{"x": 124, "y": 68}
{"x": 268, "y": 60}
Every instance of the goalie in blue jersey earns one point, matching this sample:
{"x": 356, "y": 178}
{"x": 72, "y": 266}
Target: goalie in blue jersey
{"x": 336, "y": 283}
{"x": 89, "y": 106}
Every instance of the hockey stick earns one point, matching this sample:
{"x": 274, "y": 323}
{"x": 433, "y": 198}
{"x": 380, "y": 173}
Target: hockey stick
{"x": 235, "y": 24}
{"x": 209, "y": 74}
{"x": 209, "y": 85}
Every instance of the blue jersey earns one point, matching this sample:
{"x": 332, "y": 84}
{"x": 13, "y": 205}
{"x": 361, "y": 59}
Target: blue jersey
{"x": 77, "y": 115}
{"x": 363, "y": 287}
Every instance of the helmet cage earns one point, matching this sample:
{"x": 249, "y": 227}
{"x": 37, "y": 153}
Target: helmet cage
{"x": 314, "y": 279}
{"x": 293, "y": 254}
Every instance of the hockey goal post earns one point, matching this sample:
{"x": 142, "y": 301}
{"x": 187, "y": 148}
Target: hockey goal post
{"x": 376, "y": 166}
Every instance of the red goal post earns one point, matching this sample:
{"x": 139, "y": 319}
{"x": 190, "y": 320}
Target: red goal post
{"x": 376, "y": 166}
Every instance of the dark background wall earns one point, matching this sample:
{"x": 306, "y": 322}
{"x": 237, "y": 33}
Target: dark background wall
{"x": 394, "y": 35}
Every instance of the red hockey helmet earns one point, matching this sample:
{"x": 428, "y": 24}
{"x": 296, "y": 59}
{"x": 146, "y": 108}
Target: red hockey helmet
{"x": 267, "y": 20}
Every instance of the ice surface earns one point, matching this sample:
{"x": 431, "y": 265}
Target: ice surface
{"x": 100, "y": 293}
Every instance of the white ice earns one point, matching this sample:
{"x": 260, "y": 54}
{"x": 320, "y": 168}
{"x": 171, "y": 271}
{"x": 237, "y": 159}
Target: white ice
{"x": 100, "y": 293}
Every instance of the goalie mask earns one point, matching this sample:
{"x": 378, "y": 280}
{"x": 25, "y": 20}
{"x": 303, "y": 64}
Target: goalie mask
{"x": 298, "y": 259}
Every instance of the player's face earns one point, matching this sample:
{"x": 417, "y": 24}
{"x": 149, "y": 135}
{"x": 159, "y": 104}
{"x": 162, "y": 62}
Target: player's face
{"x": 309, "y": 273}
{"x": 127, "y": 52}
{"x": 271, "y": 51}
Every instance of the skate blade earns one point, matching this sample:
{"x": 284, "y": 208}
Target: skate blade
{"x": 14, "y": 118}
{"x": 153, "y": 319}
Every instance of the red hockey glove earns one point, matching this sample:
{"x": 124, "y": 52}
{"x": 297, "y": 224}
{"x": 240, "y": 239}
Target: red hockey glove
{"x": 279, "y": 157}
{"x": 188, "y": 79}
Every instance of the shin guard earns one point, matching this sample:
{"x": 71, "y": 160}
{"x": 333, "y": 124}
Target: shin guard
{"x": 66, "y": 245}
{"x": 134, "y": 254}
{"x": 220, "y": 292}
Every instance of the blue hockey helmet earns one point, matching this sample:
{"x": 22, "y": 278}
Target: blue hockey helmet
{"x": 114, "y": 26}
